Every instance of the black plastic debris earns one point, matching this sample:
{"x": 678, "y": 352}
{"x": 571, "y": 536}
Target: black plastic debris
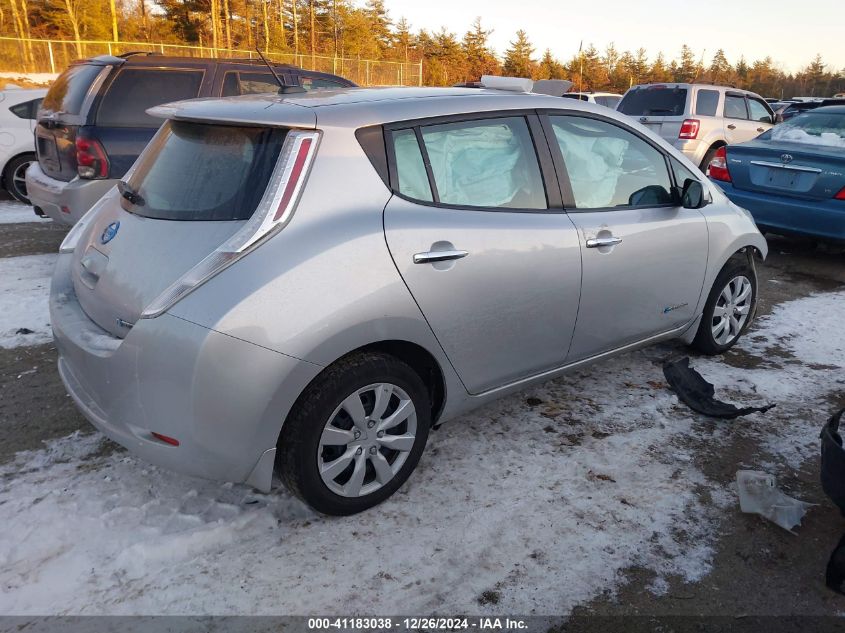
{"x": 697, "y": 393}
{"x": 24, "y": 330}
{"x": 833, "y": 462}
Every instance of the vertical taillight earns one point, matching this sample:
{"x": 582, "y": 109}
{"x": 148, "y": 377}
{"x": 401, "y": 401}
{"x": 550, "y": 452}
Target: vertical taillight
{"x": 273, "y": 212}
{"x": 689, "y": 129}
{"x": 91, "y": 159}
{"x": 718, "y": 169}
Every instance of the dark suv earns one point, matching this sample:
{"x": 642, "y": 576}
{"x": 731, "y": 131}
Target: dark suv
{"x": 93, "y": 122}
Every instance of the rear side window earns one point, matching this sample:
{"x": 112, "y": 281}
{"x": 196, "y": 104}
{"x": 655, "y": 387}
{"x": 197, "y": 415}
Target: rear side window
{"x": 735, "y": 107}
{"x": 67, "y": 94}
{"x": 195, "y": 171}
{"x": 486, "y": 163}
{"x": 410, "y": 168}
{"x": 707, "y": 102}
{"x": 26, "y": 110}
{"x": 136, "y": 89}
{"x": 654, "y": 101}
{"x": 241, "y": 83}
{"x": 609, "y": 166}
{"x": 608, "y": 101}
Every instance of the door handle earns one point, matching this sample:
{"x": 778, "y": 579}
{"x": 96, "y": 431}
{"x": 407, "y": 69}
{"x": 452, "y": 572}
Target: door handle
{"x": 598, "y": 242}
{"x": 432, "y": 257}
{"x": 731, "y": 127}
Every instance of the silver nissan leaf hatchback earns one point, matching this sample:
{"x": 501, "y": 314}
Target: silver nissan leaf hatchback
{"x": 306, "y": 284}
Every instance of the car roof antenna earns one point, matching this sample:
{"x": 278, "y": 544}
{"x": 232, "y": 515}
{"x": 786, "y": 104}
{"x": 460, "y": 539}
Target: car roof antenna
{"x": 283, "y": 89}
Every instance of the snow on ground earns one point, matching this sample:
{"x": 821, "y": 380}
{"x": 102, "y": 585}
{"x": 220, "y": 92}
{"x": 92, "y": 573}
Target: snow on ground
{"x": 42, "y": 79}
{"x": 14, "y": 212}
{"x": 543, "y": 497}
{"x": 24, "y": 293}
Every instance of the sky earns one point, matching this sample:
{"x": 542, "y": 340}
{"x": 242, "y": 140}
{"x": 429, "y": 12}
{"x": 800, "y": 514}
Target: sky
{"x": 782, "y": 30}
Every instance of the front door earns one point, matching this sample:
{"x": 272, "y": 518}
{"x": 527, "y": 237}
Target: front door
{"x": 495, "y": 271}
{"x": 643, "y": 256}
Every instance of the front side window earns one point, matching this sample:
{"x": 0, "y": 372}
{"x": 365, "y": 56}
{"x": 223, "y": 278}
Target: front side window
{"x": 735, "y": 107}
{"x": 313, "y": 83}
{"x": 759, "y": 112}
{"x": 248, "y": 83}
{"x": 609, "y": 166}
{"x": 136, "y": 89}
{"x": 194, "y": 171}
{"x": 706, "y": 102}
{"x": 485, "y": 163}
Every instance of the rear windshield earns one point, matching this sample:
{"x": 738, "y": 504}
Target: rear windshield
{"x": 68, "y": 92}
{"x": 654, "y": 101}
{"x": 195, "y": 171}
{"x": 812, "y": 128}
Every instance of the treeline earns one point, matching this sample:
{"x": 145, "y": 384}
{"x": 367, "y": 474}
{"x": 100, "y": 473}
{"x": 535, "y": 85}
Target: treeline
{"x": 341, "y": 28}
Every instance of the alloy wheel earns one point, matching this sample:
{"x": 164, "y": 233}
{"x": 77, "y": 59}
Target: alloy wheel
{"x": 732, "y": 310}
{"x": 19, "y": 180}
{"x": 367, "y": 439}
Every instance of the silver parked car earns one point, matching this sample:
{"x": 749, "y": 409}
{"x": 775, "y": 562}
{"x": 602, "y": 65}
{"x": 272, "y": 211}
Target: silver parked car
{"x": 308, "y": 283}
{"x": 698, "y": 119}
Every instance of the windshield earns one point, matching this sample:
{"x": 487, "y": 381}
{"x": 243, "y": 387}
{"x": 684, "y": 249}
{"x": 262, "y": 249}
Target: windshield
{"x": 811, "y": 128}
{"x": 654, "y": 101}
{"x": 194, "y": 171}
{"x": 67, "y": 94}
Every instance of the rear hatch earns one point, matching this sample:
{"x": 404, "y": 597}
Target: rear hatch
{"x": 194, "y": 187}
{"x": 661, "y": 108}
{"x": 60, "y": 117}
{"x": 808, "y": 170}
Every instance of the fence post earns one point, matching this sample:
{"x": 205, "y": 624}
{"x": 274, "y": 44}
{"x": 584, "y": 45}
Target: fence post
{"x": 367, "y": 74}
{"x": 109, "y": 48}
{"x": 52, "y": 61}
{"x": 161, "y": 46}
{"x": 421, "y": 72}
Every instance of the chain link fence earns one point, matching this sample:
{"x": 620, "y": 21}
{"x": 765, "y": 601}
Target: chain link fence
{"x": 53, "y": 56}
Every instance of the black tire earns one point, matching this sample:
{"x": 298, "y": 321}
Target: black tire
{"x": 12, "y": 173}
{"x": 704, "y": 341}
{"x": 299, "y": 442}
{"x": 705, "y": 162}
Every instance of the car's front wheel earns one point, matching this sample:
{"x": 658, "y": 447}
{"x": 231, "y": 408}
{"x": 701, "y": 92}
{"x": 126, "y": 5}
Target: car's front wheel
{"x": 729, "y": 308}
{"x": 355, "y": 435}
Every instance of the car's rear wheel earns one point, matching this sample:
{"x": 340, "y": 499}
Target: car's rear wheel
{"x": 355, "y": 435}
{"x": 729, "y": 308}
{"x": 14, "y": 176}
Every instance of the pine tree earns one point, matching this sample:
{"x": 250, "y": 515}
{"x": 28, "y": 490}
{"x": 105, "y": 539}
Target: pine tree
{"x": 686, "y": 70}
{"x": 720, "y": 70}
{"x": 480, "y": 59}
{"x": 550, "y": 68}
{"x": 518, "y": 62}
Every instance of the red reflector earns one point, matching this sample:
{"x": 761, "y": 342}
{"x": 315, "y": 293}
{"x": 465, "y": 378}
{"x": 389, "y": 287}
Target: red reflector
{"x": 166, "y": 439}
{"x": 689, "y": 128}
{"x": 65, "y": 209}
{"x": 718, "y": 169}
{"x": 840, "y": 195}
{"x": 295, "y": 175}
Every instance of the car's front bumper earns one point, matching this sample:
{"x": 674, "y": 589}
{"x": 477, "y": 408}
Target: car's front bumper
{"x": 781, "y": 213}
{"x": 64, "y": 202}
{"x": 223, "y": 399}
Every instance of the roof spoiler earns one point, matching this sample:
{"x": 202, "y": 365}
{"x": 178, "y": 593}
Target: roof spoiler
{"x": 553, "y": 87}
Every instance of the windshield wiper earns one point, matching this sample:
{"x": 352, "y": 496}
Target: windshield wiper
{"x": 130, "y": 194}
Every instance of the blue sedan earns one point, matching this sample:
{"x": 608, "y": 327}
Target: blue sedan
{"x": 792, "y": 177}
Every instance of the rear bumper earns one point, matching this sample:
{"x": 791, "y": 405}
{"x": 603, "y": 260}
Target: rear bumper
{"x": 819, "y": 218}
{"x": 51, "y": 195}
{"x": 223, "y": 399}
{"x": 693, "y": 149}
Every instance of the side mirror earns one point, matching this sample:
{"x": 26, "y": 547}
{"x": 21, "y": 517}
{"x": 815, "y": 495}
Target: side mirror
{"x": 692, "y": 195}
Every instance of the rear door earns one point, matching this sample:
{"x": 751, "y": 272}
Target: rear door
{"x": 643, "y": 255}
{"x": 487, "y": 252}
{"x": 737, "y": 125}
{"x": 760, "y": 115}
{"x": 122, "y": 124}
